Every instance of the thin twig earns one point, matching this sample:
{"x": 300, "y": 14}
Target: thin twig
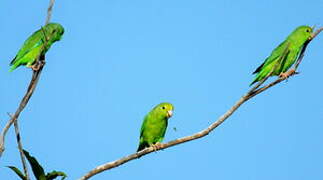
{"x": 305, "y": 46}
{"x": 49, "y": 11}
{"x": 23, "y": 160}
{"x": 22, "y": 155}
{"x": 29, "y": 92}
{"x": 250, "y": 94}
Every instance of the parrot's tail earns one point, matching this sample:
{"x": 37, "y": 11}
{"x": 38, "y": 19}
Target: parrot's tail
{"x": 254, "y": 81}
{"x": 13, "y": 67}
{"x": 142, "y": 146}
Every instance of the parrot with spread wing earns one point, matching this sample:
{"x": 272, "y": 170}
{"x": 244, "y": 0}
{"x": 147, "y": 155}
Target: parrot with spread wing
{"x": 37, "y": 45}
{"x": 154, "y": 125}
{"x": 285, "y": 55}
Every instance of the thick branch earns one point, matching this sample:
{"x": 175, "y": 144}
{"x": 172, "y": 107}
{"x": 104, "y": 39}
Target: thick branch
{"x": 250, "y": 94}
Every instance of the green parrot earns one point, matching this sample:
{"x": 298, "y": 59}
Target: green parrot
{"x": 154, "y": 126}
{"x": 34, "y": 46}
{"x": 285, "y": 55}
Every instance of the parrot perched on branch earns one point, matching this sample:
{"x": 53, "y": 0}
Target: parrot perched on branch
{"x": 37, "y": 45}
{"x": 154, "y": 125}
{"x": 285, "y": 55}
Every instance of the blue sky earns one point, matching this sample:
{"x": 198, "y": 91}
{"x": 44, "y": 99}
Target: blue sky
{"x": 118, "y": 59}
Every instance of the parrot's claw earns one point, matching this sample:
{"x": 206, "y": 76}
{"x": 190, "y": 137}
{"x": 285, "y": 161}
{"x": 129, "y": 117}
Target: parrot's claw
{"x": 283, "y": 75}
{"x": 287, "y": 74}
{"x": 156, "y": 146}
{"x": 35, "y": 67}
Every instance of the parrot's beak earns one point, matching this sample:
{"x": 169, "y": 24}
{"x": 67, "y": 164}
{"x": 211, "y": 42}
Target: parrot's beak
{"x": 169, "y": 114}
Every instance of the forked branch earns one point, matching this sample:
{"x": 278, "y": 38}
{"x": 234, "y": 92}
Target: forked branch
{"x": 30, "y": 90}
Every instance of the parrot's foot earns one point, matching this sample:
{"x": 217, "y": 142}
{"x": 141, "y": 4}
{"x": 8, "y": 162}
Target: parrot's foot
{"x": 36, "y": 66}
{"x": 287, "y": 74}
{"x": 156, "y": 146}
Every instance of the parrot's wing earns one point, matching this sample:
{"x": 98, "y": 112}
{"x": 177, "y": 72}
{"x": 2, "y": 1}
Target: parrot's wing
{"x": 279, "y": 53}
{"x": 34, "y": 41}
{"x": 143, "y": 125}
{"x": 282, "y": 59}
{"x": 142, "y": 143}
{"x": 301, "y": 51}
{"x": 163, "y": 132}
{"x": 24, "y": 52}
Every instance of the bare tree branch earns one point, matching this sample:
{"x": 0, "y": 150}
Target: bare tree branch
{"x": 305, "y": 46}
{"x": 22, "y": 155}
{"x": 36, "y": 74}
{"x": 49, "y": 11}
{"x": 31, "y": 88}
{"x": 250, "y": 94}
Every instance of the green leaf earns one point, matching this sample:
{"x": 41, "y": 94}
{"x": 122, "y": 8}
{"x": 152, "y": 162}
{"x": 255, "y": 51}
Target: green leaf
{"x": 35, "y": 166}
{"x": 18, "y": 172}
{"x": 55, "y": 174}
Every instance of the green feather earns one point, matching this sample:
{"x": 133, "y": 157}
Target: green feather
{"x": 284, "y": 55}
{"x": 154, "y": 125}
{"x": 34, "y": 46}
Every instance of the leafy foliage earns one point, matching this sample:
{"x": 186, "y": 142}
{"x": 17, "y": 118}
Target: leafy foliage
{"x": 18, "y": 172}
{"x": 38, "y": 170}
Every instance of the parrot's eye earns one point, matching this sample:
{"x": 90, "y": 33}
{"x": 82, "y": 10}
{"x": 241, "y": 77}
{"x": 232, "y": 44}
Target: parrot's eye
{"x": 163, "y": 107}
{"x": 307, "y": 30}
